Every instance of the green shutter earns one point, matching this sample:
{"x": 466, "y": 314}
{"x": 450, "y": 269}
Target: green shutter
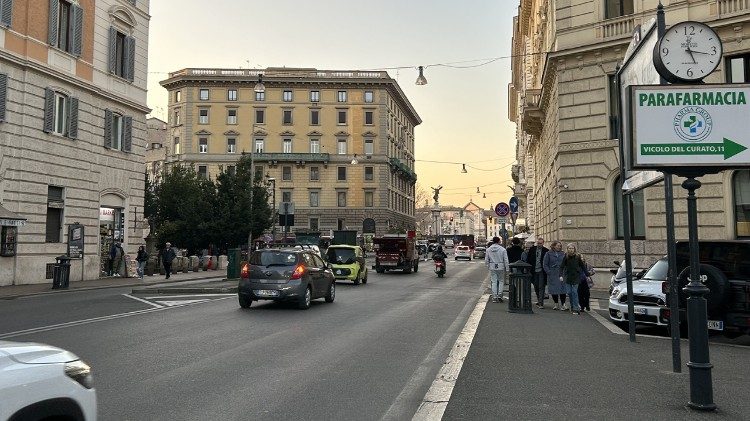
{"x": 6, "y": 12}
{"x": 73, "y": 118}
{"x": 127, "y": 133}
{"x": 108, "y": 129}
{"x": 3, "y": 94}
{"x": 53, "y": 17}
{"x": 49, "y": 110}
{"x": 77, "y": 29}
{"x": 112, "y": 49}
{"x": 130, "y": 58}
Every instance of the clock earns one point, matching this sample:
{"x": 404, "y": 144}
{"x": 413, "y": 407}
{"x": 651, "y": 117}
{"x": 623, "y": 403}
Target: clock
{"x": 687, "y": 52}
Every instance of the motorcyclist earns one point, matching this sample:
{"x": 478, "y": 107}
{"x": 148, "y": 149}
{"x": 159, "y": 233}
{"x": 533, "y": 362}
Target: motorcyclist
{"x": 439, "y": 255}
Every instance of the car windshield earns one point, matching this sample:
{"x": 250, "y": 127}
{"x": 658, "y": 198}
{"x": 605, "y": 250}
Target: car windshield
{"x": 657, "y": 272}
{"x": 273, "y": 258}
{"x": 341, "y": 255}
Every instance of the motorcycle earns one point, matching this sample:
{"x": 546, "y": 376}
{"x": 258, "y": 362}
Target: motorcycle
{"x": 440, "y": 268}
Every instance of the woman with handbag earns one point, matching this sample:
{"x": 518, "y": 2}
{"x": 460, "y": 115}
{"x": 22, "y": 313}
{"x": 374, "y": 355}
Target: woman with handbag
{"x": 555, "y": 285}
{"x": 572, "y": 269}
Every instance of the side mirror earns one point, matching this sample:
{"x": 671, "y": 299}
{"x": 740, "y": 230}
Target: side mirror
{"x": 617, "y": 262}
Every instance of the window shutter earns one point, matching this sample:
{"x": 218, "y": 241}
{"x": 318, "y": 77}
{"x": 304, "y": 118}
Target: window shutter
{"x": 112, "y": 49}
{"x": 49, "y": 110}
{"x": 77, "y": 29}
{"x": 127, "y": 133}
{"x": 73, "y": 118}
{"x": 53, "y": 17}
{"x": 130, "y": 58}
{"x": 108, "y": 129}
{"x": 6, "y": 14}
{"x": 3, "y": 95}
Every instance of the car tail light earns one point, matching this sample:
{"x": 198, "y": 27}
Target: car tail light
{"x": 665, "y": 313}
{"x": 245, "y": 271}
{"x": 298, "y": 272}
{"x": 665, "y": 287}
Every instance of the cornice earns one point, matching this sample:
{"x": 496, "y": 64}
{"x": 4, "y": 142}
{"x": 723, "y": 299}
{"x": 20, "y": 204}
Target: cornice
{"x": 587, "y": 146}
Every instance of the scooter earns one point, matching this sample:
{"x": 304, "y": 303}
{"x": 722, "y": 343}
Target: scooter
{"x": 440, "y": 268}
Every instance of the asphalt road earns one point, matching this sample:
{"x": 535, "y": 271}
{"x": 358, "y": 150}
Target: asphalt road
{"x": 372, "y": 354}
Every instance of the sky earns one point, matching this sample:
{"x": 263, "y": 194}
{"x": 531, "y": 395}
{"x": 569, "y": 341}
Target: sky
{"x": 463, "y": 106}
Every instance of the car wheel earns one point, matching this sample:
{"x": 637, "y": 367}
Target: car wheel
{"x": 716, "y": 282}
{"x": 364, "y": 280}
{"x": 331, "y": 295}
{"x": 244, "y": 300}
{"x": 356, "y": 280}
{"x": 305, "y": 300}
{"x": 416, "y": 267}
{"x": 440, "y": 275}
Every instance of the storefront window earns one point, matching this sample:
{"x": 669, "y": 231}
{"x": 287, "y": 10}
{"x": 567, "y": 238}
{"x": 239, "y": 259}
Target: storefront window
{"x": 8, "y": 236}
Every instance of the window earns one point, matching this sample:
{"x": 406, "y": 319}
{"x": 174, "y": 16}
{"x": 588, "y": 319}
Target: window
{"x": 231, "y": 116}
{"x": 203, "y": 145}
{"x": 178, "y": 96}
{"x": 286, "y": 173}
{"x": 314, "y": 198}
{"x": 617, "y": 8}
{"x": 286, "y": 196}
{"x": 341, "y": 147}
{"x": 342, "y": 96}
{"x": 203, "y": 171}
{"x": 314, "y": 174}
{"x": 369, "y": 96}
{"x": 342, "y": 117}
{"x": 369, "y": 174}
{"x": 314, "y": 224}
{"x": 614, "y": 116}
{"x": 231, "y": 95}
{"x": 287, "y": 146}
{"x": 231, "y": 145}
{"x": 203, "y": 94}
{"x": 260, "y": 145}
{"x": 6, "y": 18}
{"x": 369, "y": 199}
{"x": 121, "y": 54}
{"x": 60, "y": 114}
{"x": 66, "y": 26}
{"x": 176, "y": 120}
{"x": 314, "y": 96}
{"x": 117, "y": 131}
{"x": 55, "y": 207}
{"x": 341, "y": 200}
{"x": 738, "y": 69}
{"x": 176, "y": 145}
{"x": 314, "y": 145}
{"x": 260, "y": 116}
{"x": 259, "y": 171}
{"x": 203, "y": 116}
{"x": 260, "y": 96}
{"x": 287, "y": 116}
{"x": 637, "y": 212}
{"x": 314, "y": 117}
{"x": 369, "y": 147}
{"x": 232, "y": 170}
{"x": 287, "y": 96}
{"x": 741, "y": 189}
{"x": 369, "y": 118}
{"x": 341, "y": 174}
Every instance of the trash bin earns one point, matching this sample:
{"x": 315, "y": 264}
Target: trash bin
{"x": 61, "y": 272}
{"x": 233, "y": 264}
{"x": 519, "y": 288}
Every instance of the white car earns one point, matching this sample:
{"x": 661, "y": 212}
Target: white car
{"x": 43, "y": 382}
{"x": 650, "y": 301}
{"x": 462, "y": 252}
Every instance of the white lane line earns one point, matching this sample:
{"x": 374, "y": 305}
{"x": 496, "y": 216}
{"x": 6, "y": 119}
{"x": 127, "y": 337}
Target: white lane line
{"x": 189, "y": 295}
{"x": 606, "y": 323}
{"x": 436, "y": 400}
{"x": 143, "y": 301}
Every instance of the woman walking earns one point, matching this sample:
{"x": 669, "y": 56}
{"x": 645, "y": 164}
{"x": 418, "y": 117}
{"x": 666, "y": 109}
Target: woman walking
{"x": 141, "y": 260}
{"x": 572, "y": 268}
{"x": 552, "y": 263}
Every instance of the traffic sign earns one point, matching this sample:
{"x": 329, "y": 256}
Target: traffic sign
{"x": 502, "y": 209}
{"x": 513, "y": 204}
{"x": 681, "y": 125}
{"x": 501, "y": 220}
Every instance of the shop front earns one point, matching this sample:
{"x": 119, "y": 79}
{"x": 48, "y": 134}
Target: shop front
{"x": 111, "y": 230}
{"x": 9, "y": 224}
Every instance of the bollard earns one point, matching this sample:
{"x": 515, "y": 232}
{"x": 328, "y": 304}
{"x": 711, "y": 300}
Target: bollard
{"x": 519, "y": 288}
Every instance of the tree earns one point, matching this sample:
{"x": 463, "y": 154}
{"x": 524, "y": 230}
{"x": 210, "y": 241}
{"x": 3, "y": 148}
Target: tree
{"x": 421, "y": 196}
{"x": 149, "y": 201}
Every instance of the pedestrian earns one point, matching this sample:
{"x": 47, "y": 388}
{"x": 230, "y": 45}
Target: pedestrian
{"x": 551, "y": 265}
{"x": 535, "y": 257}
{"x": 112, "y": 254}
{"x": 167, "y": 255}
{"x": 515, "y": 250}
{"x": 573, "y": 268}
{"x": 496, "y": 259}
{"x": 117, "y": 254}
{"x": 584, "y": 287}
{"x": 141, "y": 258}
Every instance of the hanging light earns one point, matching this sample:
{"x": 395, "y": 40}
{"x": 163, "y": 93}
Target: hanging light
{"x": 463, "y": 169}
{"x": 484, "y": 195}
{"x": 477, "y": 189}
{"x": 260, "y": 87}
{"x": 421, "y": 80}
{"x": 354, "y": 160}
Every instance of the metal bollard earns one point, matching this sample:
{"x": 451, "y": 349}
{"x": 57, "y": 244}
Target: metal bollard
{"x": 519, "y": 288}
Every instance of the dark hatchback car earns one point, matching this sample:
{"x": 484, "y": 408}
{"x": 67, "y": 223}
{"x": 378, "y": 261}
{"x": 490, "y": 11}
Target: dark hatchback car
{"x": 285, "y": 275}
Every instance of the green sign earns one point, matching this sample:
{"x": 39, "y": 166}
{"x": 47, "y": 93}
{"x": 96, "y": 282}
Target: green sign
{"x": 728, "y": 149}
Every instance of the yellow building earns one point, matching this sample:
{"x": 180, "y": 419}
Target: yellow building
{"x": 337, "y": 144}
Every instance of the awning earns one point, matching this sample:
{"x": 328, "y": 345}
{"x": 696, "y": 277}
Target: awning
{"x": 10, "y": 219}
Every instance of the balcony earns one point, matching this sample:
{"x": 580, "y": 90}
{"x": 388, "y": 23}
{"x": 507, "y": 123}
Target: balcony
{"x": 531, "y": 117}
{"x": 732, "y": 7}
{"x": 403, "y": 169}
{"x": 298, "y": 158}
{"x": 280, "y": 73}
{"x": 617, "y": 27}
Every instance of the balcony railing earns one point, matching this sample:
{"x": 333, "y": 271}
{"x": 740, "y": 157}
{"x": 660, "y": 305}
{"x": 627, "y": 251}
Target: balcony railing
{"x": 728, "y": 7}
{"x": 618, "y": 27}
{"x": 291, "y": 157}
{"x": 531, "y": 116}
{"x": 281, "y": 73}
{"x": 399, "y": 166}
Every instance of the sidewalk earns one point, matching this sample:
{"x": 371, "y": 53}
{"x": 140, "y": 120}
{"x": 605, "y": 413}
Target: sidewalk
{"x": 15, "y": 291}
{"x": 555, "y": 365}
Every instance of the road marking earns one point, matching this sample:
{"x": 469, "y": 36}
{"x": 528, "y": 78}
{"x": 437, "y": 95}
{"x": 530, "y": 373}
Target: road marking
{"x": 189, "y": 295}
{"x": 173, "y": 303}
{"x": 436, "y": 400}
{"x": 606, "y": 323}
{"x": 143, "y": 301}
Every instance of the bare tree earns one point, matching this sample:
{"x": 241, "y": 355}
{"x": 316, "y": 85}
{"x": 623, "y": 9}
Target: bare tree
{"x": 421, "y": 196}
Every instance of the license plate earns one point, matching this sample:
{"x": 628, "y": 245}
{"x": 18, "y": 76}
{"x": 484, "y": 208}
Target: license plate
{"x": 388, "y": 263}
{"x": 716, "y": 325}
{"x": 266, "y": 293}
{"x": 641, "y": 310}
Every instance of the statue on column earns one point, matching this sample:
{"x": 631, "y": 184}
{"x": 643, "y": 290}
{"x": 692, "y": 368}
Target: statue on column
{"x": 436, "y": 190}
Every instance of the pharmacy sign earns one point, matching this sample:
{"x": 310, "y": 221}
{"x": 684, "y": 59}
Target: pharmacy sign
{"x": 679, "y": 126}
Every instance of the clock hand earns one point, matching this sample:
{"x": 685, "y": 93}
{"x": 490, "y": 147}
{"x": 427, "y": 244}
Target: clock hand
{"x": 691, "y": 54}
{"x": 701, "y": 52}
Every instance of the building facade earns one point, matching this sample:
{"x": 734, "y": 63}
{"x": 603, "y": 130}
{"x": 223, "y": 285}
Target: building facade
{"x": 562, "y": 98}
{"x": 72, "y": 133}
{"x": 339, "y": 145}
{"x": 157, "y": 136}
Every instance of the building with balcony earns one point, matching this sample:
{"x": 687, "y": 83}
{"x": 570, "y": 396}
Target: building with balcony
{"x": 157, "y": 136}
{"x": 339, "y": 144}
{"x": 72, "y": 134}
{"x": 563, "y": 100}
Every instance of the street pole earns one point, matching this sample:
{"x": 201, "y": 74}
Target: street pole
{"x": 252, "y": 189}
{"x": 286, "y": 220}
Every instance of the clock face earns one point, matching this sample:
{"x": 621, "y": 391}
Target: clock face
{"x": 688, "y": 52}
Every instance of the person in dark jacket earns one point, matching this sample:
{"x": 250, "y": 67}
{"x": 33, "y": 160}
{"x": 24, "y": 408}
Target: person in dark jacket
{"x": 515, "y": 250}
{"x": 573, "y": 268}
{"x": 167, "y": 255}
{"x": 141, "y": 258}
{"x": 535, "y": 257}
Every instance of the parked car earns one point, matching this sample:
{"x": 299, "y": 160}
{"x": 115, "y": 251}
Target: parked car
{"x": 347, "y": 263}
{"x": 479, "y": 252}
{"x": 39, "y": 381}
{"x": 650, "y": 302}
{"x": 462, "y": 252}
{"x": 618, "y": 275}
{"x": 448, "y": 244}
{"x": 285, "y": 275}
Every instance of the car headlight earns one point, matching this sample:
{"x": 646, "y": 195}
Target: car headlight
{"x": 80, "y": 372}
{"x": 615, "y": 293}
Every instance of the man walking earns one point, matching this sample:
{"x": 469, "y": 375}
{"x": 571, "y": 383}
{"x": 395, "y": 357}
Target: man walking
{"x": 496, "y": 260}
{"x": 535, "y": 258}
{"x": 167, "y": 255}
{"x": 515, "y": 250}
